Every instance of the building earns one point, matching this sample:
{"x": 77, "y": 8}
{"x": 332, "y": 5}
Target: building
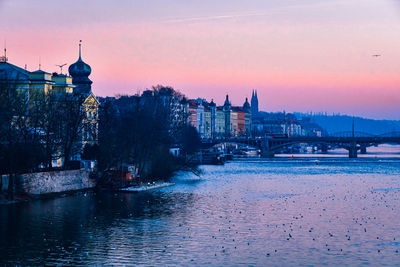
{"x": 247, "y": 118}
{"x": 245, "y": 121}
{"x": 32, "y": 86}
{"x": 207, "y": 123}
{"x": 254, "y": 104}
{"x": 80, "y": 72}
{"x": 240, "y": 121}
{"x": 227, "y": 114}
{"x": 220, "y": 123}
{"x": 192, "y": 109}
{"x": 196, "y": 115}
{"x": 214, "y": 122}
{"x": 213, "y": 109}
{"x": 234, "y": 122}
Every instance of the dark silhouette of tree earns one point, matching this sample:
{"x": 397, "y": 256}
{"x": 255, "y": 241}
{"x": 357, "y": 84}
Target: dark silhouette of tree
{"x": 190, "y": 140}
{"x": 140, "y": 131}
{"x": 20, "y": 149}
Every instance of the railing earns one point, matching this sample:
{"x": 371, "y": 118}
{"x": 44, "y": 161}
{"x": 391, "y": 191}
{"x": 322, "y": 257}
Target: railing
{"x": 364, "y": 134}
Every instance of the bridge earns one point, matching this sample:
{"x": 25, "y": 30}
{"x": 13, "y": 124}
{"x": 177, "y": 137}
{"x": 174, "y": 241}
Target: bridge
{"x": 351, "y": 141}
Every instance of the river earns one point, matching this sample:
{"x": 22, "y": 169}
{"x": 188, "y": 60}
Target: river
{"x": 251, "y": 212}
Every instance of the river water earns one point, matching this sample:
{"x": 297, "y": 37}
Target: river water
{"x": 252, "y": 212}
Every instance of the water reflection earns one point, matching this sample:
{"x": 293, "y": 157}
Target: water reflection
{"x": 280, "y": 212}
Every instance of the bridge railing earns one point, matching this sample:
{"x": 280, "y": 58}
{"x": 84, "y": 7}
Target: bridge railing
{"x": 364, "y": 134}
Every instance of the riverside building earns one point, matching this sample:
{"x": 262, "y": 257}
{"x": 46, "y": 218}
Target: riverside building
{"x": 216, "y": 122}
{"x": 31, "y": 86}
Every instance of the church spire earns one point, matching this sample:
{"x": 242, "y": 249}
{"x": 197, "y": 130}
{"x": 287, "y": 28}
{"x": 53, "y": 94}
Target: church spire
{"x": 254, "y": 103}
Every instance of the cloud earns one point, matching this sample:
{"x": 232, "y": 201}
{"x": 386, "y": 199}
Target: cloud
{"x": 292, "y": 7}
{"x": 217, "y": 17}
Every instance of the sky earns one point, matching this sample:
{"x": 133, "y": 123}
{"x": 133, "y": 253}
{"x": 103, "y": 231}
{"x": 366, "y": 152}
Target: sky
{"x": 309, "y": 55}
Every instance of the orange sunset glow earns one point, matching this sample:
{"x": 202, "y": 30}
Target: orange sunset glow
{"x": 313, "y": 56}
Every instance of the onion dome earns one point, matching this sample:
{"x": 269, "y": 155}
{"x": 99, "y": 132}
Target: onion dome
{"x": 227, "y": 103}
{"x": 80, "y": 68}
{"x": 80, "y": 72}
{"x": 246, "y": 104}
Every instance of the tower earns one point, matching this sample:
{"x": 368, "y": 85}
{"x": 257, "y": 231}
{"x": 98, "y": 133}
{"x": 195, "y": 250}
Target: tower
{"x": 254, "y": 103}
{"x": 80, "y": 72}
{"x": 247, "y": 117}
{"x": 213, "y": 108}
{"x": 227, "y": 113}
{"x": 246, "y": 106}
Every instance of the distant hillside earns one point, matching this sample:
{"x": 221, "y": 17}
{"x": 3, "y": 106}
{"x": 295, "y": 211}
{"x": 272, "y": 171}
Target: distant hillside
{"x": 343, "y": 123}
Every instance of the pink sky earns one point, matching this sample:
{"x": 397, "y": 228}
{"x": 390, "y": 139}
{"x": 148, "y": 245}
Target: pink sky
{"x": 313, "y": 56}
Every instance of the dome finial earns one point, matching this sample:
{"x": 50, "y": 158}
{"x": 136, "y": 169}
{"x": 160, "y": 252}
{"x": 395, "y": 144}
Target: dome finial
{"x": 80, "y": 44}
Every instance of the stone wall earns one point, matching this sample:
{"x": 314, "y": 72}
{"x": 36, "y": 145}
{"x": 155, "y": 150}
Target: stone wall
{"x": 54, "y": 182}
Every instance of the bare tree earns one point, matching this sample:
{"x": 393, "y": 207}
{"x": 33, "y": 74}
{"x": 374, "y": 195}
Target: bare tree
{"x": 20, "y": 150}
{"x": 139, "y": 131}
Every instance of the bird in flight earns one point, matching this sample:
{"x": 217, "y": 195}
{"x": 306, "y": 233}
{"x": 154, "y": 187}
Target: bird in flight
{"x": 376, "y": 55}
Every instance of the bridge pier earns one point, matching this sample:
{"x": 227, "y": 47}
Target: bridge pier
{"x": 324, "y": 149}
{"x": 352, "y": 152}
{"x": 267, "y": 153}
{"x": 363, "y": 149}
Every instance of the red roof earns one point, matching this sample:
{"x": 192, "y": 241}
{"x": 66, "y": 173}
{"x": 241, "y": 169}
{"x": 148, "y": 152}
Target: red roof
{"x": 237, "y": 109}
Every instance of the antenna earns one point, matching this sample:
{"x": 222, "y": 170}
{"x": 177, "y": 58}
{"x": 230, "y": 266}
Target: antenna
{"x": 4, "y": 58}
{"x": 40, "y": 65}
{"x": 61, "y": 66}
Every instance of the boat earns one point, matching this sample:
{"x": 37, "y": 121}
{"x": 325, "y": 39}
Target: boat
{"x": 252, "y": 152}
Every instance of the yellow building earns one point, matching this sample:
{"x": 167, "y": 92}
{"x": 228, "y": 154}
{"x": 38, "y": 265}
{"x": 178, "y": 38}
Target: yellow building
{"x": 234, "y": 123}
{"x": 220, "y": 123}
{"x": 207, "y": 123}
{"x": 32, "y": 86}
{"x": 90, "y": 122}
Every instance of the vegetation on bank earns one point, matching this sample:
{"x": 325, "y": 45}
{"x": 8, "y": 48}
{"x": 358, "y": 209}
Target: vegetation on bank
{"x": 139, "y": 131}
{"x": 36, "y": 128}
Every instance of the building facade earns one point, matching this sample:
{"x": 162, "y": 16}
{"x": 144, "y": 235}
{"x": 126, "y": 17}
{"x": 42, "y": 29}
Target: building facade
{"x": 80, "y": 72}
{"x": 214, "y": 122}
{"x": 219, "y": 123}
{"x": 207, "y": 123}
{"x": 64, "y": 91}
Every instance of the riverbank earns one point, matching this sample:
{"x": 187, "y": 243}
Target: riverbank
{"x": 28, "y": 198}
{"x": 21, "y": 198}
{"x": 17, "y": 199}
